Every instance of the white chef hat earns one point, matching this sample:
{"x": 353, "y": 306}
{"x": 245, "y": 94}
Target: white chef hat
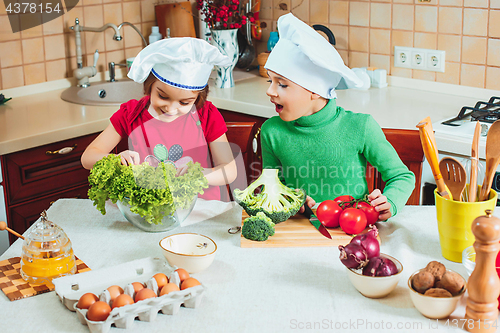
{"x": 305, "y": 57}
{"x": 184, "y": 63}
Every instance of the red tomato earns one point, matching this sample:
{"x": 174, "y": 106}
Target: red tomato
{"x": 328, "y": 213}
{"x": 370, "y": 212}
{"x": 352, "y": 221}
{"x": 343, "y": 198}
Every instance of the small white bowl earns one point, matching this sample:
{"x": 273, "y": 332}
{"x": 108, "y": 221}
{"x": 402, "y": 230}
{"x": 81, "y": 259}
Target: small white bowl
{"x": 193, "y": 252}
{"x": 376, "y": 286}
{"x": 434, "y": 307}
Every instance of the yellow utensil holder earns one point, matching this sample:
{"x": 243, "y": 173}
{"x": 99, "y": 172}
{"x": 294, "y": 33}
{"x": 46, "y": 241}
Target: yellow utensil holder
{"x": 455, "y": 221}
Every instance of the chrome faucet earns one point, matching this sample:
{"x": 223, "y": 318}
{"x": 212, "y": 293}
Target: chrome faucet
{"x": 111, "y": 67}
{"x": 136, "y": 30}
{"x": 81, "y": 73}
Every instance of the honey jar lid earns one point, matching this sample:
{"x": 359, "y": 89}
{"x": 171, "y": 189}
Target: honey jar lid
{"x": 45, "y": 235}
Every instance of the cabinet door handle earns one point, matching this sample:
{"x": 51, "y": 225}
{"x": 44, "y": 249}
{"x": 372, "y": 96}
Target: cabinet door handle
{"x": 255, "y": 145}
{"x": 62, "y": 151}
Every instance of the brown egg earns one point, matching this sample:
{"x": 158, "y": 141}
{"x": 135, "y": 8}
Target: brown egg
{"x": 114, "y": 292}
{"x": 137, "y": 286}
{"x": 168, "y": 288}
{"x": 86, "y": 300}
{"x": 144, "y": 294}
{"x": 161, "y": 280}
{"x": 183, "y": 274}
{"x": 122, "y": 300}
{"x": 99, "y": 311}
{"x": 189, "y": 282}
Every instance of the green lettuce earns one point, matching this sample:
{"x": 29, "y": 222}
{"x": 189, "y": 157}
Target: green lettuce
{"x": 151, "y": 192}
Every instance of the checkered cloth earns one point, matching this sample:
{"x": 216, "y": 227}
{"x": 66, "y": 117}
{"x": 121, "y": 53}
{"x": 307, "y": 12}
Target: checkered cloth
{"x": 13, "y": 285}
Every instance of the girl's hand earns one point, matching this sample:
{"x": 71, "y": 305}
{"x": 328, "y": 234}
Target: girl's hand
{"x": 309, "y": 202}
{"x": 380, "y": 203}
{"x": 181, "y": 170}
{"x": 129, "y": 157}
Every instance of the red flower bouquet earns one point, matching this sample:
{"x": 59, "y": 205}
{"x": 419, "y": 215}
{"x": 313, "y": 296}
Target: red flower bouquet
{"x": 222, "y": 14}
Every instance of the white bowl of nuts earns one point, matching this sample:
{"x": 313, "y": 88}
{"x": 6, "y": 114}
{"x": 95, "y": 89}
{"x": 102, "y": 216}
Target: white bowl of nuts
{"x": 435, "y": 291}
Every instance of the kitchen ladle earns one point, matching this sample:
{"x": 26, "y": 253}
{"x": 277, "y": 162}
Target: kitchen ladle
{"x": 492, "y": 159}
{"x": 473, "y": 163}
{"x": 3, "y": 226}
{"x": 454, "y": 176}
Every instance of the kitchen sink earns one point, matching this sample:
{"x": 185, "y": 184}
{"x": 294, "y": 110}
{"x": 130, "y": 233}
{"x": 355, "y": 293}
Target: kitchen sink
{"x": 102, "y": 94}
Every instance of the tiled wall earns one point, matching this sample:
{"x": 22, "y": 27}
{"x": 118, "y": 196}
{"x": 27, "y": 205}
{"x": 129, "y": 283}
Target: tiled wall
{"x": 47, "y": 52}
{"x": 366, "y": 33}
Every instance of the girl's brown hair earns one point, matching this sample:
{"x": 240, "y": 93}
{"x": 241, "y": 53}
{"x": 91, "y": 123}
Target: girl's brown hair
{"x": 200, "y": 100}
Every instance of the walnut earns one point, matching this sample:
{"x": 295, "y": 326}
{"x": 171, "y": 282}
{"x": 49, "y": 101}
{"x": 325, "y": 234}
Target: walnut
{"x": 436, "y": 268}
{"x": 439, "y": 284}
{"x": 452, "y": 282}
{"x": 422, "y": 281}
{"x": 437, "y": 292}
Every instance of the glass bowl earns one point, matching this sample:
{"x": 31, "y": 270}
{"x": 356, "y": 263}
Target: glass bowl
{"x": 168, "y": 222}
{"x": 469, "y": 259}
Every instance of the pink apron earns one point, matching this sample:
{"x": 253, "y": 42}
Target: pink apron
{"x": 176, "y": 142}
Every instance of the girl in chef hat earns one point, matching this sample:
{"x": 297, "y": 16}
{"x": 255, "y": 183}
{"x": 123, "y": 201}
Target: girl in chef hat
{"x": 173, "y": 122}
{"x": 317, "y": 145}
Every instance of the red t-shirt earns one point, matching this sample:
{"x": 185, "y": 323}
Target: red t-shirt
{"x": 178, "y": 142}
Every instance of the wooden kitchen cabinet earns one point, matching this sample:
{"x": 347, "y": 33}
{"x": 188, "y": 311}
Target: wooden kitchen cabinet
{"x": 243, "y": 136}
{"x": 36, "y": 177}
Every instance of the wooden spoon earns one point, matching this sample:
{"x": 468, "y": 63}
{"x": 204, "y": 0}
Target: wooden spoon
{"x": 3, "y": 226}
{"x": 454, "y": 176}
{"x": 492, "y": 159}
{"x": 474, "y": 155}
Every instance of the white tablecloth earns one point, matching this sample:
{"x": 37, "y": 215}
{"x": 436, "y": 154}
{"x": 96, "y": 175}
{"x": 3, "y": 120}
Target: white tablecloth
{"x": 248, "y": 289}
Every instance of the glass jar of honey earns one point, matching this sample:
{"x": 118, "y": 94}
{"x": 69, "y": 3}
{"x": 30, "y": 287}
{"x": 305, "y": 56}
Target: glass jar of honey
{"x": 47, "y": 253}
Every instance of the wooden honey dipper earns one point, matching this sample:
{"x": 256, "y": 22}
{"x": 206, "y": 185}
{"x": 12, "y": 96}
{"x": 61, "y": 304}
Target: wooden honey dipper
{"x": 3, "y": 226}
{"x": 484, "y": 284}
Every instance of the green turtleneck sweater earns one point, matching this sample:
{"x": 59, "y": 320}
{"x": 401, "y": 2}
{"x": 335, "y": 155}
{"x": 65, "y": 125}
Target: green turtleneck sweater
{"x": 326, "y": 153}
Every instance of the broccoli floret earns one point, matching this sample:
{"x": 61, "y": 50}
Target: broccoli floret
{"x": 258, "y": 227}
{"x": 275, "y": 200}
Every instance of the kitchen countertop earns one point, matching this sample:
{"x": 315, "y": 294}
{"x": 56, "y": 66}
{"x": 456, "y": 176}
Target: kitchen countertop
{"x": 37, "y": 115}
{"x": 248, "y": 289}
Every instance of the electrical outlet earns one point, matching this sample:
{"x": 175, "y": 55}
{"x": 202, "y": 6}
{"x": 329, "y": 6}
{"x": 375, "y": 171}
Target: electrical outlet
{"x": 418, "y": 60}
{"x": 402, "y": 56}
{"x": 422, "y": 59}
{"x": 436, "y": 60}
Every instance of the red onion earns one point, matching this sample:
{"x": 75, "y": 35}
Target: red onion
{"x": 379, "y": 266}
{"x": 353, "y": 256}
{"x": 369, "y": 242}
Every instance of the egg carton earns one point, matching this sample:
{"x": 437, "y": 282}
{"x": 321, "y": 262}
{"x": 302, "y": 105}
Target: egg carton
{"x": 71, "y": 288}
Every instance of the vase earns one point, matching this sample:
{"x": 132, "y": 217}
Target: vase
{"x": 227, "y": 43}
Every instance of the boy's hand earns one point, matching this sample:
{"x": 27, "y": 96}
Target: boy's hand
{"x": 380, "y": 203}
{"x": 309, "y": 202}
{"x": 129, "y": 157}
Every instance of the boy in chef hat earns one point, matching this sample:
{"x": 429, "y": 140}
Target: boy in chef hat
{"x": 173, "y": 122}
{"x": 317, "y": 145}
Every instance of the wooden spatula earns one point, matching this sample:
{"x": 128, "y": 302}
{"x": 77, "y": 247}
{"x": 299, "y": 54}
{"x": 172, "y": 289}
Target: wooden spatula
{"x": 431, "y": 154}
{"x": 454, "y": 176}
{"x": 492, "y": 159}
{"x": 474, "y": 155}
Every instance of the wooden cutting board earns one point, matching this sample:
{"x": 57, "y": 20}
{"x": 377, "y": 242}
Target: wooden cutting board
{"x": 176, "y": 16}
{"x": 297, "y": 231}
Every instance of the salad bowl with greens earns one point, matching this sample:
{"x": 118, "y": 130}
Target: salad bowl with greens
{"x": 151, "y": 198}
